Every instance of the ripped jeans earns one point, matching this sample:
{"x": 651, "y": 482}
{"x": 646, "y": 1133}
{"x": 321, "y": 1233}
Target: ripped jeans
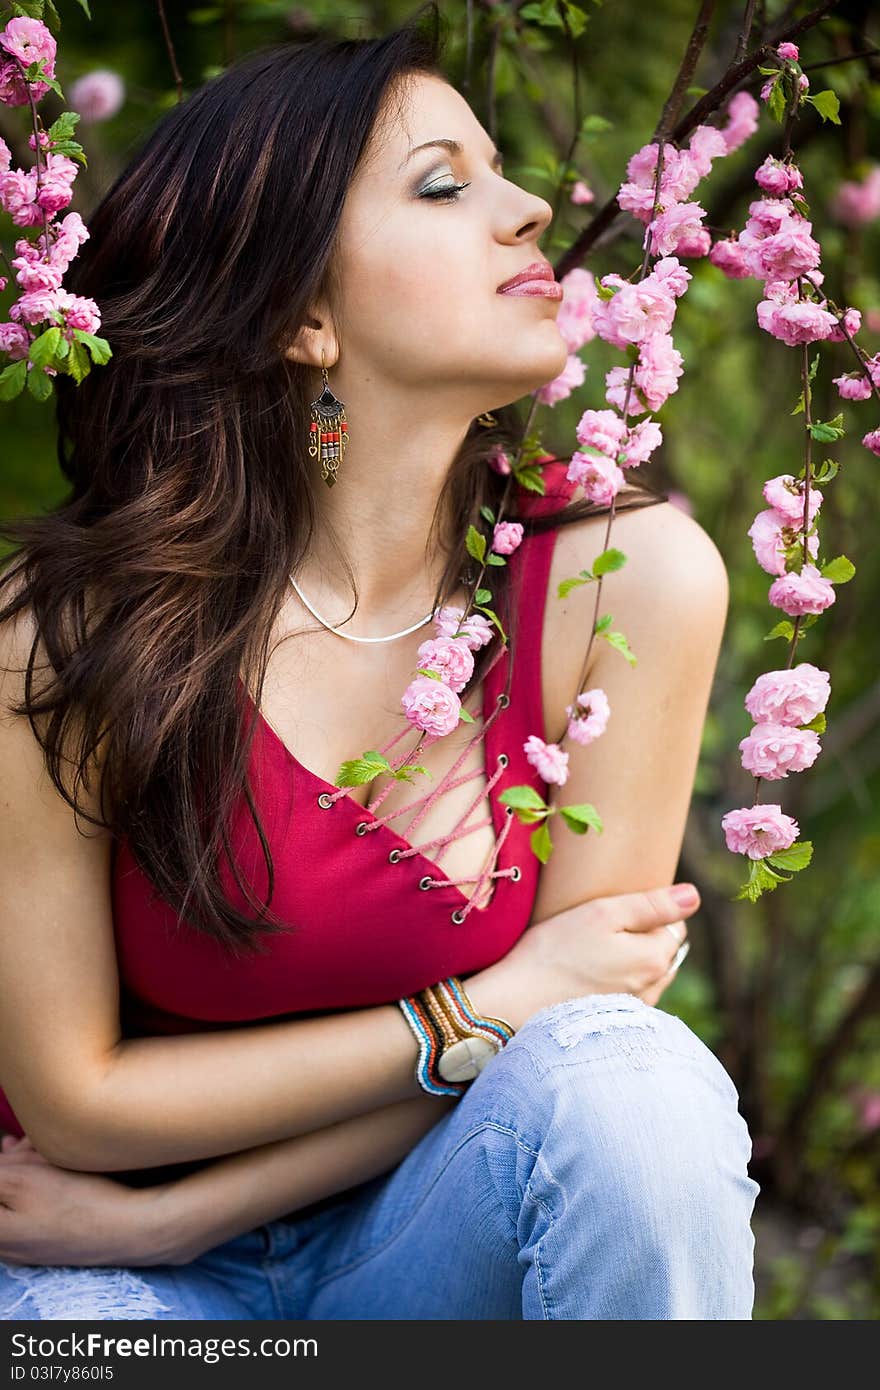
{"x": 595, "y": 1169}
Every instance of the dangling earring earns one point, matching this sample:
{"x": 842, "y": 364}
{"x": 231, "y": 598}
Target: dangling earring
{"x": 328, "y": 431}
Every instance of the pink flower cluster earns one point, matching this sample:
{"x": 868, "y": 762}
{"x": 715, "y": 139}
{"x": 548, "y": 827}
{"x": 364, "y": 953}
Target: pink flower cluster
{"x": 432, "y": 703}
{"x": 32, "y": 198}
{"x": 857, "y": 201}
{"x": 780, "y": 703}
{"x": 779, "y": 526}
{"x": 574, "y": 319}
{"x": 759, "y": 831}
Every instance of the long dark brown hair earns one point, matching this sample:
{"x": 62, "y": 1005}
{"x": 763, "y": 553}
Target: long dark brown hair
{"x": 157, "y": 579}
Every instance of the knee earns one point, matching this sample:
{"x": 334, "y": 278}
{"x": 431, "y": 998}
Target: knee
{"x": 625, "y": 1099}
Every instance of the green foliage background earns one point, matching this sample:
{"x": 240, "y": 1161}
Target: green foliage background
{"x": 785, "y": 990}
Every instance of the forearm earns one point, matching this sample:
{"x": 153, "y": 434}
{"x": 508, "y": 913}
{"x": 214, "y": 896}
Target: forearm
{"x": 164, "y": 1100}
{"x": 178, "y": 1221}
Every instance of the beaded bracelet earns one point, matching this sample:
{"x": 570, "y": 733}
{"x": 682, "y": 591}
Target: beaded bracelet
{"x": 455, "y": 1041}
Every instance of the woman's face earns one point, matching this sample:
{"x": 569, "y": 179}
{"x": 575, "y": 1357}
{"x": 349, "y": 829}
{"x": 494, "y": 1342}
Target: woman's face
{"x": 419, "y": 306}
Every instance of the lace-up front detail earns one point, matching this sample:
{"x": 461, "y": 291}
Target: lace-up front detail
{"x": 424, "y": 803}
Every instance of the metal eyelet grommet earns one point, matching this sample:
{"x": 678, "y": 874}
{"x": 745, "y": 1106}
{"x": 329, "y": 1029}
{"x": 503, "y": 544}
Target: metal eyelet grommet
{"x": 394, "y": 856}
{"x": 325, "y": 801}
{"x": 516, "y": 875}
{"x": 503, "y": 700}
{"x": 362, "y": 827}
{"x": 503, "y": 759}
{"x": 509, "y": 810}
{"x": 425, "y": 882}
{"x": 458, "y": 915}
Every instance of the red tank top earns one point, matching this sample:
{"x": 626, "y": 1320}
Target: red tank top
{"x": 375, "y": 916}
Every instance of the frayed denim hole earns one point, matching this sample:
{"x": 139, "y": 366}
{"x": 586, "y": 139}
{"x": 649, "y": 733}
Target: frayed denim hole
{"x": 629, "y": 1027}
{"x": 62, "y": 1293}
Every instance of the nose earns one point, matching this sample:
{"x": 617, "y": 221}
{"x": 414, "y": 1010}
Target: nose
{"x": 532, "y": 216}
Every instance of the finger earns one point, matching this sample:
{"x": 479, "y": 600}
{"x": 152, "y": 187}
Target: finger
{"x": 651, "y": 908}
{"x": 676, "y": 961}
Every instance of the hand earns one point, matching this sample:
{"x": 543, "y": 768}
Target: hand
{"x": 55, "y": 1216}
{"x": 609, "y": 945}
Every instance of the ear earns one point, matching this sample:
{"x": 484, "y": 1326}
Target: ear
{"x": 316, "y": 333}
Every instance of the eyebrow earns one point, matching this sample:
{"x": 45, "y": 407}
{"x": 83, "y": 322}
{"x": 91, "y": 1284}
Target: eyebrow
{"x": 454, "y": 147}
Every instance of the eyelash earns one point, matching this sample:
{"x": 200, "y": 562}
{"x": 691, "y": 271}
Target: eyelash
{"x": 447, "y": 194}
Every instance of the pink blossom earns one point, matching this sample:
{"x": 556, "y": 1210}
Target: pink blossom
{"x": 28, "y": 40}
{"x": 853, "y": 386}
{"x": 785, "y": 493}
{"x": 476, "y": 630}
{"x": 766, "y": 217}
{"x": 450, "y": 657}
{"x": 97, "y": 95}
{"x": 788, "y": 51}
{"x": 855, "y": 203}
{"x": 548, "y": 759}
{"x": 18, "y": 192}
{"x": 79, "y": 312}
{"x": 852, "y": 322}
{"x": 69, "y": 235}
{"x": 706, "y": 144}
{"x": 670, "y": 275}
{"x": 869, "y": 1110}
{"x": 807, "y": 592}
{"x": 14, "y": 339}
{"x": 785, "y": 254}
{"x": 581, "y": 193}
{"x": 641, "y": 442}
{"x": 656, "y": 376}
{"x": 431, "y": 706}
{"x": 574, "y": 318}
{"x": 5, "y": 156}
{"x": 742, "y": 120}
{"x": 679, "y": 223}
{"x": 777, "y": 177}
{"x": 773, "y": 751}
{"x": 699, "y": 244}
{"x": 571, "y": 376}
{"x": 730, "y": 258}
{"x": 635, "y": 312}
{"x": 678, "y": 180}
{"x": 872, "y": 441}
{"x": 680, "y": 499}
{"x": 588, "y": 716}
{"x": 35, "y": 306}
{"x": 498, "y": 460}
{"x": 759, "y": 831}
{"x": 506, "y": 537}
{"x": 795, "y": 323}
{"x": 804, "y": 82}
{"x": 34, "y": 274}
{"x": 792, "y": 696}
{"x": 770, "y": 535}
{"x": 600, "y": 478}
{"x": 603, "y": 430}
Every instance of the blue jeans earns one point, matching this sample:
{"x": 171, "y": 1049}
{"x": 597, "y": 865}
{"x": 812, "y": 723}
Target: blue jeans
{"x": 595, "y": 1169}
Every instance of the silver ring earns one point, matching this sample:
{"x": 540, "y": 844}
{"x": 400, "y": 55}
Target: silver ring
{"x": 679, "y": 957}
{"x": 673, "y": 933}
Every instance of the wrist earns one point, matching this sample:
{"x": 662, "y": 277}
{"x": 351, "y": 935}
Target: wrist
{"x": 498, "y": 992}
{"x": 165, "y": 1225}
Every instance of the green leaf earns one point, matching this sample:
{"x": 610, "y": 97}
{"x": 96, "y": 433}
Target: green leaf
{"x": 64, "y": 126}
{"x": 761, "y": 879}
{"x": 826, "y": 470}
{"x": 488, "y": 515}
{"x": 826, "y": 431}
{"x": 810, "y": 377}
{"x": 528, "y": 803}
{"x": 605, "y": 291}
{"x": 359, "y": 770}
{"x": 464, "y": 717}
{"x": 84, "y": 5}
{"x": 531, "y": 478}
{"x": 423, "y": 671}
{"x": 595, "y": 125}
{"x": 828, "y": 105}
{"x": 603, "y": 624}
{"x": 98, "y": 347}
{"x": 565, "y": 586}
{"x": 582, "y": 818}
{"x": 476, "y": 544}
{"x": 840, "y": 570}
{"x": 800, "y": 204}
{"x": 817, "y": 725}
{"x": 784, "y": 629}
{"x": 483, "y": 596}
{"x": 79, "y": 365}
{"x": 618, "y": 641}
{"x": 43, "y": 349}
{"x": 542, "y": 845}
{"x": 12, "y": 379}
{"x": 776, "y": 102}
{"x": 402, "y": 773}
{"x": 608, "y": 562}
{"x": 793, "y": 859}
{"x": 39, "y": 384}
{"x": 493, "y": 559}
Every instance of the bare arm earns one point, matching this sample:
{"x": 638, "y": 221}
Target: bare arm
{"x": 94, "y": 1101}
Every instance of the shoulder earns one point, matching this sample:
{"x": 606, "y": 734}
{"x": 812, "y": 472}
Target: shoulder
{"x": 674, "y": 581}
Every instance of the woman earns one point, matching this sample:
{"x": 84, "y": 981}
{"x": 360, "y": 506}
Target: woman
{"x": 221, "y": 1111}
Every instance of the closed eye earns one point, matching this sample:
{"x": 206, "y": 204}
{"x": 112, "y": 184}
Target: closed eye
{"x": 448, "y": 192}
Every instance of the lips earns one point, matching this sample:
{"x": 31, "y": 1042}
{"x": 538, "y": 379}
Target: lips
{"x": 536, "y": 280}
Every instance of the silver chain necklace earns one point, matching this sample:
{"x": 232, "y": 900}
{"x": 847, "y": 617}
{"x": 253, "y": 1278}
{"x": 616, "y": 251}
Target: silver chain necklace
{"x": 339, "y": 633}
